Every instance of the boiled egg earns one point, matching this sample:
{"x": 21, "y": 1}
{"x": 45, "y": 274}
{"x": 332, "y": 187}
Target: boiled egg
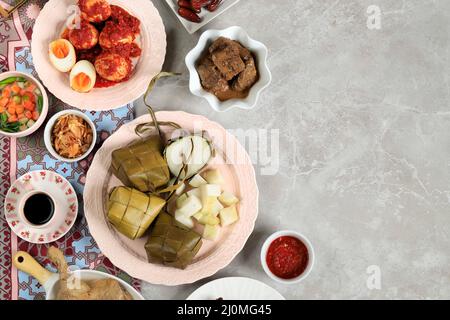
{"x": 83, "y": 76}
{"x": 62, "y": 55}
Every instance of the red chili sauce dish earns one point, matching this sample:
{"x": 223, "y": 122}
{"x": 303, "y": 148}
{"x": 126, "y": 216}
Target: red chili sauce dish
{"x": 287, "y": 257}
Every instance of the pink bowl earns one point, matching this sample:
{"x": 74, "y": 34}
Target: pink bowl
{"x": 129, "y": 255}
{"x": 48, "y": 27}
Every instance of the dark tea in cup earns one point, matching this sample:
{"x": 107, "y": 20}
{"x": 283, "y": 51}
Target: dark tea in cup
{"x": 39, "y": 209}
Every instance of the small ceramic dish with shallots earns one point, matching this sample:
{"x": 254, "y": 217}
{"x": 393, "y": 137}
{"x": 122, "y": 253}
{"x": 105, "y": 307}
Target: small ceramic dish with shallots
{"x": 41, "y": 206}
{"x": 70, "y": 136}
{"x": 287, "y": 257}
{"x": 229, "y": 69}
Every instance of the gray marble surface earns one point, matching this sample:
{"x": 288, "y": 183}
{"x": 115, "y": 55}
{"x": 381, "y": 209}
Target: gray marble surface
{"x": 364, "y": 119}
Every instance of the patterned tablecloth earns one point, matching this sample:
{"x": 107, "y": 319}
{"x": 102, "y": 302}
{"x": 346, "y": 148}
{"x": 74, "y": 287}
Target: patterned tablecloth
{"x": 23, "y": 155}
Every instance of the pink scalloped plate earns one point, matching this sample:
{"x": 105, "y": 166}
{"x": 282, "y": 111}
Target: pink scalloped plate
{"x": 129, "y": 255}
{"x": 48, "y": 27}
{"x": 63, "y": 195}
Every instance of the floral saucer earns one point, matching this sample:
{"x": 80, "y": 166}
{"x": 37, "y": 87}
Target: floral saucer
{"x": 65, "y": 206}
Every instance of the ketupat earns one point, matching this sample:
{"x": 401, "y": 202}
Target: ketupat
{"x": 190, "y": 206}
{"x": 191, "y": 152}
{"x": 184, "y": 220}
{"x": 141, "y": 165}
{"x": 209, "y": 190}
{"x": 198, "y": 215}
{"x": 180, "y": 200}
{"x": 209, "y": 220}
{"x": 196, "y": 181}
{"x": 132, "y": 212}
{"x": 228, "y": 199}
{"x": 172, "y": 244}
{"x": 212, "y": 206}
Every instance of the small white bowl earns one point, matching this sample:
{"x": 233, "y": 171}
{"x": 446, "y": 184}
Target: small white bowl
{"x": 258, "y": 49}
{"x": 48, "y": 135}
{"x": 44, "y": 112}
{"x": 294, "y": 234}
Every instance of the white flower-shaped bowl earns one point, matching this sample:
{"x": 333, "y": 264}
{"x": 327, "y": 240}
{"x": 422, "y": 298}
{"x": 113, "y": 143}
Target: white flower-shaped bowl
{"x": 259, "y": 51}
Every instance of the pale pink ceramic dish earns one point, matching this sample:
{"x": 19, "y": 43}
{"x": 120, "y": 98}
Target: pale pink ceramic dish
{"x": 129, "y": 255}
{"x": 48, "y": 27}
{"x": 64, "y": 199}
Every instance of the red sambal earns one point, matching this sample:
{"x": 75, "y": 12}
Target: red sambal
{"x": 287, "y": 257}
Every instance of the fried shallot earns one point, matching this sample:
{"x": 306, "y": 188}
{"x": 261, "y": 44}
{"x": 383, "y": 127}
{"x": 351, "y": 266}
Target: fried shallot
{"x": 72, "y": 136}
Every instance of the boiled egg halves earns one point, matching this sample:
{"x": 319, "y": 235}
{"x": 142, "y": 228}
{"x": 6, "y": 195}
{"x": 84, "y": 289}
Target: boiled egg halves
{"x": 62, "y": 55}
{"x": 83, "y": 76}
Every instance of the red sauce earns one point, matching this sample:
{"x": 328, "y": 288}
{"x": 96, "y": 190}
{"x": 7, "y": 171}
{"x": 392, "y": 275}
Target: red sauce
{"x": 65, "y": 34}
{"x": 89, "y": 55}
{"x": 287, "y": 257}
{"x": 103, "y": 83}
{"x": 135, "y": 50}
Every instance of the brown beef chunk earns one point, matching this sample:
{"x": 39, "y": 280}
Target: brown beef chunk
{"x": 221, "y": 43}
{"x": 245, "y": 54}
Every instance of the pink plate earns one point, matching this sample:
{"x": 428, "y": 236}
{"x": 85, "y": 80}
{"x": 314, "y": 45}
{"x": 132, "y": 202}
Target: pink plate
{"x": 64, "y": 198}
{"x": 48, "y": 27}
{"x": 236, "y": 167}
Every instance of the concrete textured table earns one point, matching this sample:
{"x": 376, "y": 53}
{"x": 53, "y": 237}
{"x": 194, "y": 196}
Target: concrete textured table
{"x": 360, "y": 96}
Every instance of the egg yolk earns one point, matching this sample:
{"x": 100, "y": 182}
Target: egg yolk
{"x": 81, "y": 82}
{"x": 60, "y": 49}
